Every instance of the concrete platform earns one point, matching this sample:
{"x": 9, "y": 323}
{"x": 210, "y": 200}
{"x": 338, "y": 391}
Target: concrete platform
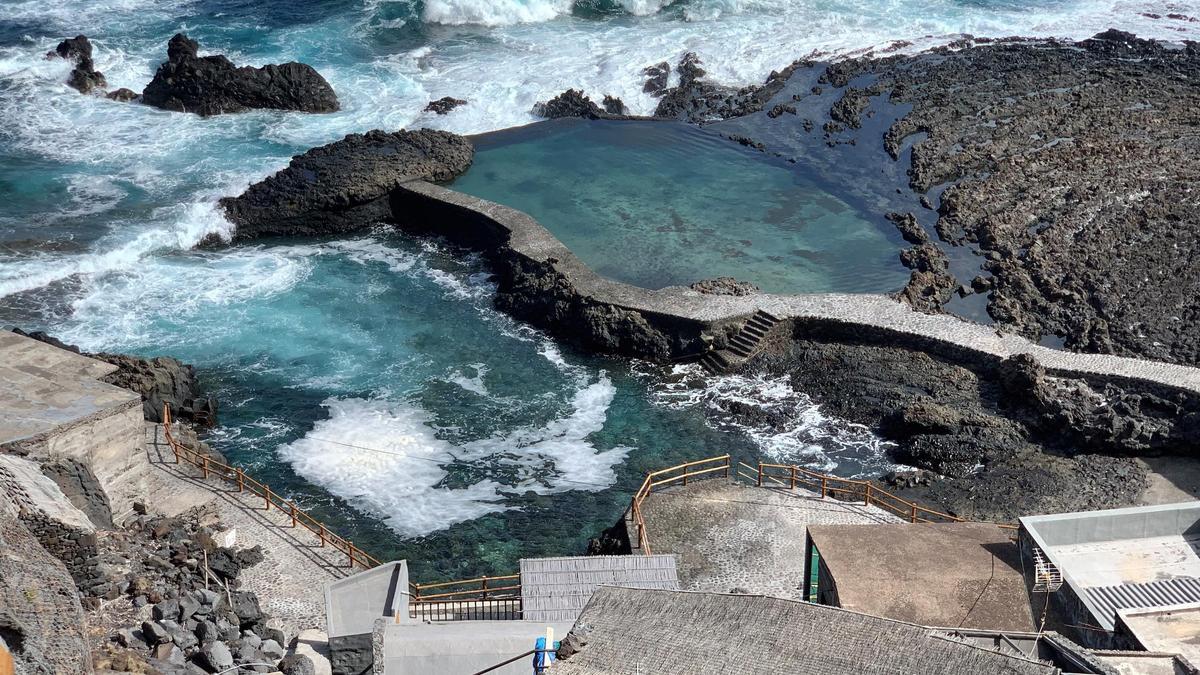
{"x": 462, "y": 646}
{"x": 1170, "y": 630}
{"x": 1126, "y": 561}
{"x": 735, "y": 536}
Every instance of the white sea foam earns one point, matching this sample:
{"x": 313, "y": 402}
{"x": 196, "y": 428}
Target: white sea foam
{"x": 473, "y": 383}
{"x": 794, "y": 429}
{"x": 494, "y": 12}
{"x": 386, "y": 458}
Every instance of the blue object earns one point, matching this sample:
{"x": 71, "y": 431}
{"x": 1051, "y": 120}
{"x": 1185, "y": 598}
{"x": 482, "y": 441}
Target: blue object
{"x": 542, "y": 658}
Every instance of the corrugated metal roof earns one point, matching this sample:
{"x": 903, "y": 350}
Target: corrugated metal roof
{"x": 1177, "y": 591}
{"x": 557, "y": 589}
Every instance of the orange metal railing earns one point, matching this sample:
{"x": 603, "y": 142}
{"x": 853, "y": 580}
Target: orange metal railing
{"x": 209, "y": 466}
{"x": 679, "y": 474}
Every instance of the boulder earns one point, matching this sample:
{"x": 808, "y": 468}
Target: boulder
{"x": 212, "y": 85}
{"x": 297, "y": 664}
{"x": 271, "y": 649}
{"x": 444, "y": 105}
{"x": 167, "y": 609}
{"x": 123, "y": 95}
{"x": 344, "y": 186}
{"x": 155, "y": 632}
{"x": 214, "y": 657}
{"x": 570, "y": 103}
{"x": 84, "y": 77}
{"x": 614, "y": 106}
{"x": 245, "y": 606}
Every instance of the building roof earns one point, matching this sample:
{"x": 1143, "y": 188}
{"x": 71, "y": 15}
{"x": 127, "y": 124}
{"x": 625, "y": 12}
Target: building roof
{"x": 635, "y": 632}
{"x": 1136, "y": 557}
{"x": 1173, "y": 629}
{"x": 959, "y": 575}
{"x": 556, "y": 589}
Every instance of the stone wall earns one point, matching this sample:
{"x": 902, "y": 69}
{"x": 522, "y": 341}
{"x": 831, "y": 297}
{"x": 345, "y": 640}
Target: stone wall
{"x": 109, "y": 445}
{"x": 41, "y": 620}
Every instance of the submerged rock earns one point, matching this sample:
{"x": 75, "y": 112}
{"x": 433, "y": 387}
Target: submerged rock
{"x": 725, "y": 286}
{"x": 344, "y": 186}
{"x": 444, "y": 105}
{"x": 123, "y": 95}
{"x": 211, "y": 85}
{"x": 84, "y": 77}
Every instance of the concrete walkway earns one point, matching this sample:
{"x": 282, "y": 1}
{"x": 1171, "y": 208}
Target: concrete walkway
{"x": 731, "y": 535}
{"x": 290, "y": 581}
{"x": 529, "y": 238}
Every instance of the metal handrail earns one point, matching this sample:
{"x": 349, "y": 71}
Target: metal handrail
{"x": 236, "y": 475}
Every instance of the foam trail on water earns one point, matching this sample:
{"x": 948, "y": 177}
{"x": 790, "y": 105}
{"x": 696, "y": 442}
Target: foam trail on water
{"x": 400, "y": 467}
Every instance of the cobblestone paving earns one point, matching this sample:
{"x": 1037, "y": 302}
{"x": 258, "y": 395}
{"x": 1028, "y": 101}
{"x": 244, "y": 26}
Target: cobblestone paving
{"x": 735, "y": 536}
{"x": 290, "y": 581}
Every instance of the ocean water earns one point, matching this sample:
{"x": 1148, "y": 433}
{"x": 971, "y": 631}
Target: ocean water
{"x": 369, "y": 378}
{"x": 658, "y": 204}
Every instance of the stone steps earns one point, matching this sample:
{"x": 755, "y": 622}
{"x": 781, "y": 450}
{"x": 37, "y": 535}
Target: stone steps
{"x": 745, "y": 344}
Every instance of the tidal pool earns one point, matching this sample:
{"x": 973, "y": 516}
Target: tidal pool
{"x": 659, "y": 204}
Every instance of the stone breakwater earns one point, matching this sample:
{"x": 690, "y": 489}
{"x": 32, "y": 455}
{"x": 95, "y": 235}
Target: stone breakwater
{"x": 542, "y": 282}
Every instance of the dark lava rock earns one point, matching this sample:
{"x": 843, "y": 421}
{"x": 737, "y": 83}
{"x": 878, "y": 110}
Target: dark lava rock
{"x": 212, "y": 85}
{"x": 245, "y": 606}
{"x": 614, "y": 106}
{"x": 930, "y": 285}
{"x": 123, "y": 95}
{"x": 696, "y": 99}
{"x": 214, "y": 657}
{"x": 444, "y": 105}
{"x": 909, "y": 228}
{"x": 725, "y": 286}
{"x": 81, "y": 488}
{"x": 656, "y": 78}
{"x": 344, "y": 186}
{"x": 297, "y": 664}
{"x": 570, "y": 103}
{"x": 84, "y": 77}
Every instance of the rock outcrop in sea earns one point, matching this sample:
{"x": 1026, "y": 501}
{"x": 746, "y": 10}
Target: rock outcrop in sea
{"x": 84, "y": 77}
{"x": 212, "y": 85}
{"x": 344, "y": 186}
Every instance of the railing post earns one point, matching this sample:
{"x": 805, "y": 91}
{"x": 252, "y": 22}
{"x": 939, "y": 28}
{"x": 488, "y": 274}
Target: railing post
{"x": 350, "y": 552}
{"x": 293, "y": 514}
{"x": 728, "y": 460}
{"x": 867, "y": 495}
{"x": 267, "y": 496}
{"x": 204, "y": 466}
{"x": 484, "y": 586}
{"x": 322, "y": 535}
{"x": 685, "y": 476}
{"x": 760, "y": 474}
{"x": 824, "y": 485}
{"x": 913, "y": 515}
{"x": 240, "y": 480}
{"x": 793, "y": 487}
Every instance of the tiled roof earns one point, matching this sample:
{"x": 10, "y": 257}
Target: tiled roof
{"x": 556, "y": 589}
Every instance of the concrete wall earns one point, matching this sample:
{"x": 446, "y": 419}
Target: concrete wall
{"x": 354, "y": 605}
{"x": 110, "y": 444}
{"x": 1138, "y": 522}
{"x": 462, "y": 646}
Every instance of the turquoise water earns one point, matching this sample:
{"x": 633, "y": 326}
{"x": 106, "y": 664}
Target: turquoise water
{"x": 370, "y": 379}
{"x": 660, "y": 204}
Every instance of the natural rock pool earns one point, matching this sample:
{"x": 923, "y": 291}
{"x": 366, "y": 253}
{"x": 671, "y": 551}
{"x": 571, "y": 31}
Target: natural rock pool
{"x": 658, "y": 204}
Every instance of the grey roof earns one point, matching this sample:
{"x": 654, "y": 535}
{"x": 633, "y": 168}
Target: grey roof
{"x": 556, "y": 589}
{"x": 1161, "y": 593}
{"x": 635, "y": 632}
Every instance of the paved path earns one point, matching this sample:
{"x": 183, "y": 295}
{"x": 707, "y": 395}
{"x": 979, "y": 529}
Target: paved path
{"x": 529, "y": 238}
{"x": 731, "y": 535}
{"x": 290, "y": 582}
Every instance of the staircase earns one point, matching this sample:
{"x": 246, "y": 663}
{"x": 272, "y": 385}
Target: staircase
{"x": 742, "y": 346}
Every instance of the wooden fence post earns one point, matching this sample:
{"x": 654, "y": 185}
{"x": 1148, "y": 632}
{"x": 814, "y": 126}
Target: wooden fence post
{"x": 204, "y": 466}
{"x": 267, "y": 496}
{"x": 793, "y": 486}
{"x": 760, "y": 474}
{"x": 293, "y": 513}
{"x": 913, "y": 514}
{"x": 867, "y": 495}
{"x": 350, "y": 552}
{"x": 484, "y": 586}
{"x": 322, "y": 535}
{"x": 728, "y": 460}
{"x": 824, "y": 489}
{"x": 240, "y": 480}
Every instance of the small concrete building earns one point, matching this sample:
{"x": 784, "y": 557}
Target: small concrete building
{"x": 961, "y": 575}
{"x": 1137, "y": 566}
